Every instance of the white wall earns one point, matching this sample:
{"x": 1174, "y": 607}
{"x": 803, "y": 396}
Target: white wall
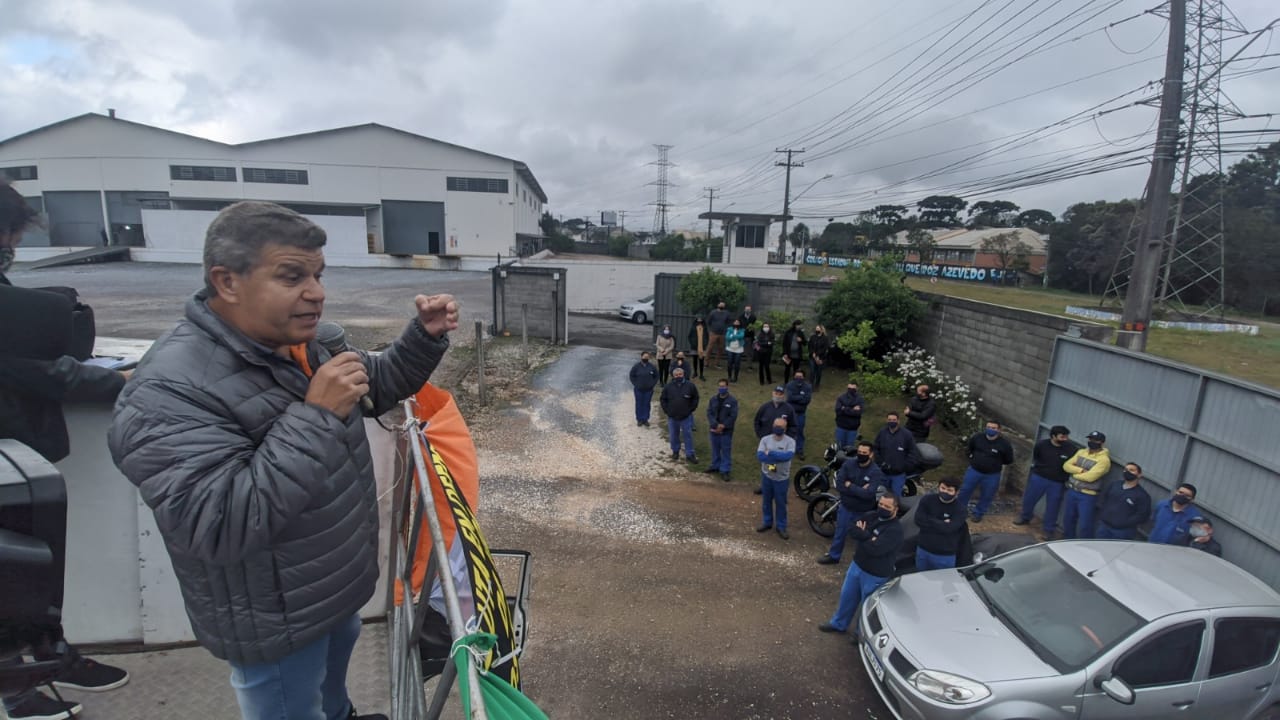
{"x": 178, "y": 236}
{"x": 603, "y": 285}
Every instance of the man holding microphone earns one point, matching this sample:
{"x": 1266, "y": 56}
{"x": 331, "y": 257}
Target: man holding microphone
{"x": 245, "y": 438}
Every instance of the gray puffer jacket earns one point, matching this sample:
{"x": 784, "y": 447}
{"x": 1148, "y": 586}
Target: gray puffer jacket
{"x": 267, "y": 504}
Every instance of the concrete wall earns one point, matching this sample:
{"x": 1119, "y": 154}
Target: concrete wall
{"x": 178, "y": 236}
{"x": 1002, "y": 353}
{"x": 542, "y": 293}
{"x": 602, "y": 285}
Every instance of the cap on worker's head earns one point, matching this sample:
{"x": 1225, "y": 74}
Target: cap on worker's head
{"x": 1097, "y": 435}
{"x": 1059, "y": 430}
{"x": 780, "y": 389}
{"x": 677, "y": 371}
{"x": 1202, "y": 520}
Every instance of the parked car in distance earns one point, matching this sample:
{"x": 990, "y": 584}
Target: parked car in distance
{"x": 639, "y": 312}
{"x": 1079, "y": 630}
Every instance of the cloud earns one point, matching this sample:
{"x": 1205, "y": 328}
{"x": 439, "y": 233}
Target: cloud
{"x": 582, "y": 90}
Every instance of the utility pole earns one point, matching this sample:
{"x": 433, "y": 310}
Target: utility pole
{"x": 786, "y": 200}
{"x": 622, "y": 220}
{"x": 711, "y": 197}
{"x": 1136, "y": 315}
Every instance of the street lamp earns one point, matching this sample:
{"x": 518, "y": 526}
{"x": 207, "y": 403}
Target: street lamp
{"x": 804, "y": 248}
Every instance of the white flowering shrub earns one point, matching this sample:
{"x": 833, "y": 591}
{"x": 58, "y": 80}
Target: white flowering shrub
{"x": 957, "y": 407}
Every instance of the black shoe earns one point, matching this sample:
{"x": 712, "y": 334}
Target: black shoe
{"x": 42, "y": 707}
{"x": 711, "y": 470}
{"x": 693, "y": 458}
{"x": 829, "y": 628}
{"x": 375, "y": 716}
{"x": 675, "y": 454}
{"x": 90, "y": 676}
{"x": 645, "y": 423}
{"x": 725, "y": 477}
{"x": 639, "y": 423}
{"x": 758, "y": 491}
{"x": 828, "y": 560}
{"x": 1021, "y": 521}
{"x": 976, "y": 518}
{"x": 764, "y": 528}
{"x": 783, "y": 534}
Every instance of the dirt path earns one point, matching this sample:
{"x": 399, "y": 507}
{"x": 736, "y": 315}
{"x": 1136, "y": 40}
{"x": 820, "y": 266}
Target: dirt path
{"x": 652, "y": 594}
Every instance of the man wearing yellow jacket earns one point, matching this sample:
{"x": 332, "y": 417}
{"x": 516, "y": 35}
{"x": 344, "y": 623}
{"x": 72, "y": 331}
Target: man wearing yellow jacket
{"x": 1086, "y": 468}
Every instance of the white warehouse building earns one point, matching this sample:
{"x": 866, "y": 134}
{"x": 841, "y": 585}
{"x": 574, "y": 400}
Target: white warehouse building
{"x": 385, "y": 197}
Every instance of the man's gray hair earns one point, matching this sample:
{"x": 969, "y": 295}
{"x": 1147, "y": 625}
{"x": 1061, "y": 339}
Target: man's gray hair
{"x": 236, "y": 237}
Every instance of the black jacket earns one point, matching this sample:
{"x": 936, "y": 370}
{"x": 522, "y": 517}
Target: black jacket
{"x": 644, "y": 376}
{"x": 819, "y": 346}
{"x": 765, "y": 341}
{"x": 989, "y": 456}
{"x": 896, "y": 451}
{"x": 1047, "y": 460}
{"x": 748, "y": 332}
{"x": 1123, "y": 508}
{"x": 878, "y": 544}
{"x": 722, "y": 410}
{"x": 796, "y": 353}
{"x": 941, "y": 524}
{"x": 919, "y": 410}
{"x": 799, "y": 395}
{"x": 679, "y": 399}
{"x": 769, "y": 412}
{"x": 857, "y": 485}
{"x": 847, "y": 417}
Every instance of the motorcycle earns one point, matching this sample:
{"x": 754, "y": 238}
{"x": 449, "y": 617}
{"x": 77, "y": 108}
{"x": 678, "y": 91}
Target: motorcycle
{"x": 821, "y": 512}
{"x": 811, "y": 480}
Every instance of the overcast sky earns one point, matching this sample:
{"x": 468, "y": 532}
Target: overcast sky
{"x": 891, "y": 98}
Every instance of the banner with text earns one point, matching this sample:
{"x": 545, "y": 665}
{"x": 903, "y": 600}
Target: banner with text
{"x": 994, "y": 276}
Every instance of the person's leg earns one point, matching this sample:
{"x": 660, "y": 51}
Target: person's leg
{"x": 926, "y": 560}
{"x": 971, "y": 479}
{"x": 760, "y": 363}
{"x": 686, "y": 432}
{"x": 1071, "y": 514}
{"x": 800, "y": 433}
{"x": 766, "y": 501}
{"x": 673, "y": 435}
{"x": 845, "y": 438}
{"x": 844, "y": 522}
{"x": 1052, "y": 505}
{"x": 1036, "y": 487}
{"x": 780, "y": 504}
{"x": 850, "y": 598}
{"x": 768, "y": 368}
{"x": 342, "y": 642}
{"x": 288, "y": 689}
{"x": 1104, "y": 531}
{"x": 638, "y": 394}
{"x": 1088, "y": 507}
{"x": 664, "y": 370}
{"x": 988, "y": 486}
{"x": 897, "y": 483}
{"x": 726, "y": 452}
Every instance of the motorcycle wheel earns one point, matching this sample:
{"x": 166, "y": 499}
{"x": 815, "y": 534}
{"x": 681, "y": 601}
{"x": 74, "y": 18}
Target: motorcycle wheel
{"x": 810, "y": 482}
{"x": 909, "y": 488}
{"x": 822, "y": 515}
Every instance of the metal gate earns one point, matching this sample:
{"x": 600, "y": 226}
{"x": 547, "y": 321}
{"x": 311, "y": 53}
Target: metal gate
{"x": 1181, "y": 424}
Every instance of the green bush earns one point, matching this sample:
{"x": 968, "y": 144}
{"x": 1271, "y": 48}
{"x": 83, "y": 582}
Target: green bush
{"x": 702, "y": 290}
{"x": 618, "y": 245}
{"x": 560, "y": 243}
{"x": 874, "y": 292}
{"x": 877, "y": 384}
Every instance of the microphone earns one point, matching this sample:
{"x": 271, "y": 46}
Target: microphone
{"x": 333, "y": 337}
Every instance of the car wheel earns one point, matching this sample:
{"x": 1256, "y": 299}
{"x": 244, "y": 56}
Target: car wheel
{"x": 809, "y": 482}
{"x": 1271, "y": 713}
{"x": 639, "y": 318}
{"x": 822, "y": 515}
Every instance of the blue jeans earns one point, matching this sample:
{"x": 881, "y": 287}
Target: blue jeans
{"x": 926, "y": 560}
{"x": 678, "y": 430}
{"x": 774, "y": 501}
{"x": 815, "y": 373}
{"x": 735, "y": 365}
{"x": 1106, "y": 532}
{"x": 987, "y": 485}
{"x": 857, "y": 586}
{"x": 845, "y": 519}
{"x": 1041, "y": 487}
{"x": 1077, "y": 518}
{"x": 800, "y": 432}
{"x": 722, "y": 451}
{"x": 644, "y": 401}
{"x": 845, "y": 438}
{"x": 310, "y": 684}
{"x": 896, "y": 482}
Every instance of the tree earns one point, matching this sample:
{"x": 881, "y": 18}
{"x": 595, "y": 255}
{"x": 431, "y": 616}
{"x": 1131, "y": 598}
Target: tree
{"x": 799, "y": 237}
{"x": 1084, "y": 244}
{"x": 941, "y": 211}
{"x": 873, "y": 292}
{"x": 992, "y": 213}
{"x": 702, "y": 290}
{"x": 550, "y": 227}
{"x": 1038, "y": 220}
{"x": 618, "y": 244}
{"x": 891, "y": 215}
{"x": 922, "y": 243}
{"x": 1010, "y": 251}
{"x": 837, "y": 238}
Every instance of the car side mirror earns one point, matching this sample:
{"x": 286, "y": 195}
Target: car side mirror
{"x": 1117, "y": 690}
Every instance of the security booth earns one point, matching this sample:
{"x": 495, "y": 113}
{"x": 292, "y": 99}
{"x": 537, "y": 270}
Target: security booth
{"x": 746, "y": 236}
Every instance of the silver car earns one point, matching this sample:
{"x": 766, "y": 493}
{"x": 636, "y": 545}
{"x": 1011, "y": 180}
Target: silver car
{"x": 1087, "y": 629}
{"x": 638, "y": 311}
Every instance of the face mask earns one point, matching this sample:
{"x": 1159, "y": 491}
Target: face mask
{"x": 946, "y": 497}
{"x": 884, "y": 514}
{"x": 893, "y": 425}
{"x": 737, "y": 326}
{"x": 1129, "y": 477}
{"x": 1198, "y": 532}
{"x": 1095, "y": 445}
{"x": 644, "y": 360}
{"x": 991, "y": 434}
{"x": 765, "y": 328}
{"x": 6, "y": 258}
{"x": 864, "y": 459}
{"x": 666, "y": 333}
{"x": 723, "y": 391}
{"x": 779, "y": 431}
{"x": 1181, "y": 499}
{"x": 777, "y": 401}
{"x": 799, "y": 379}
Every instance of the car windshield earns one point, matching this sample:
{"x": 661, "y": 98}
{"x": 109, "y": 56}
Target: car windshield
{"x": 1058, "y": 612}
{"x": 646, "y": 299}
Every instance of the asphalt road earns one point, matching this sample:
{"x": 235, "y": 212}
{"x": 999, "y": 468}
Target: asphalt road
{"x": 143, "y": 300}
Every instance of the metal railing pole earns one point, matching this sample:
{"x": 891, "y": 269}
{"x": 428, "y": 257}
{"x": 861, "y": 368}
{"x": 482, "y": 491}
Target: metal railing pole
{"x": 480, "y": 359}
